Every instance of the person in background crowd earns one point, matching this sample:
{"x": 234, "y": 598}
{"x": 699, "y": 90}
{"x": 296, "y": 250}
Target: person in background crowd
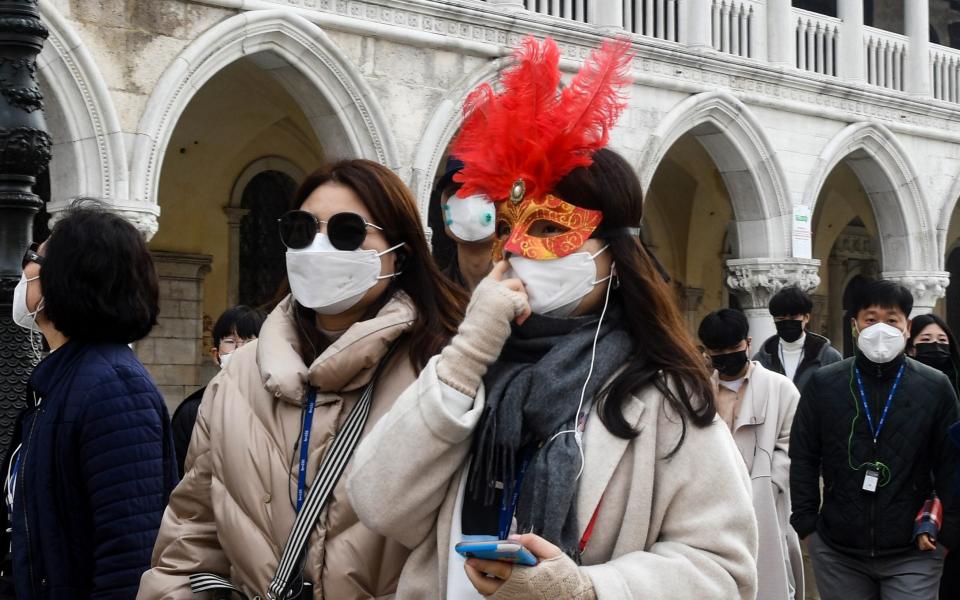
{"x": 758, "y": 406}
{"x": 561, "y": 410}
{"x": 368, "y": 307}
{"x": 92, "y": 461}
{"x": 795, "y": 351}
{"x": 235, "y": 327}
{"x": 875, "y": 427}
{"x": 467, "y": 223}
{"x": 933, "y": 343}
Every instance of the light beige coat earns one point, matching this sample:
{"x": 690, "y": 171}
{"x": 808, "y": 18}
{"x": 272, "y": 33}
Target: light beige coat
{"x": 670, "y": 528}
{"x": 762, "y": 433}
{"x": 232, "y": 512}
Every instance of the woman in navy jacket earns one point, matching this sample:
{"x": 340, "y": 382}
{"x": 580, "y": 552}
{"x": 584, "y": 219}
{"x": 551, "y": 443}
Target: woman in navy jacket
{"x": 92, "y": 463}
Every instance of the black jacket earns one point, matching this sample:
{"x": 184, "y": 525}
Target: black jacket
{"x": 830, "y": 435}
{"x": 183, "y": 421}
{"x": 817, "y": 352}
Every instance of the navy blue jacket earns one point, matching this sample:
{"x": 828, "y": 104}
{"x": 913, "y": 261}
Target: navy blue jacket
{"x": 96, "y": 469}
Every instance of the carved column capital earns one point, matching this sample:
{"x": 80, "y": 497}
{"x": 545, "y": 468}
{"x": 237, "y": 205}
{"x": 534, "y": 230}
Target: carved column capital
{"x": 756, "y": 280}
{"x": 926, "y": 286}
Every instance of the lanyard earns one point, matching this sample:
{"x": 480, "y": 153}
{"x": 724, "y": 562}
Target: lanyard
{"x": 305, "y": 446}
{"x": 875, "y": 431}
{"x": 507, "y": 508}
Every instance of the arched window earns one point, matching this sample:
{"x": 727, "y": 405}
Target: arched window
{"x": 266, "y": 197}
{"x": 953, "y": 291}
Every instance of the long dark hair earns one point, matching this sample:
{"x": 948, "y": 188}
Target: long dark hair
{"x": 921, "y": 322}
{"x": 439, "y": 303}
{"x": 651, "y": 313}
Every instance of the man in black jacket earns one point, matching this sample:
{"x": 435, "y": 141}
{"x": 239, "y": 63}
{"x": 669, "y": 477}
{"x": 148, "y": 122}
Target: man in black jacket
{"x": 235, "y": 327}
{"x": 794, "y": 351}
{"x": 875, "y": 428}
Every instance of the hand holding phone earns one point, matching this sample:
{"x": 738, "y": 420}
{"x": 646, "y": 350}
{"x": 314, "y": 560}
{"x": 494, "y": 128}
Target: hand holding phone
{"x": 502, "y": 550}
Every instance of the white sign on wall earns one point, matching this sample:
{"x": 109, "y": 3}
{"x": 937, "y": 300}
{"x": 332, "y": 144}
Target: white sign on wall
{"x": 802, "y": 233}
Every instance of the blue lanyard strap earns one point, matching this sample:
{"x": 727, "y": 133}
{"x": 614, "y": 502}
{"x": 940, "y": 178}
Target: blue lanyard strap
{"x": 875, "y": 431}
{"x": 508, "y": 507}
{"x": 305, "y": 446}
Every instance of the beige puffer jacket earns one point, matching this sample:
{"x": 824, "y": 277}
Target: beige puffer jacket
{"x": 232, "y": 512}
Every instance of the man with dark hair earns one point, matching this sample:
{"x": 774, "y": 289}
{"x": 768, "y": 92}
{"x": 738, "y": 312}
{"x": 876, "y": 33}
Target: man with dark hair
{"x": 468, "y": 224}
{"x": 874, "y": 427}
{"x": 758, "y": 406}
{"x": 794, "y": 351}
{"x": 235, "y": 327}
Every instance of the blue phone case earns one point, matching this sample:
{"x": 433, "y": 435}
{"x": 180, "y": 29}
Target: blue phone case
{"x": 502, "y": 550}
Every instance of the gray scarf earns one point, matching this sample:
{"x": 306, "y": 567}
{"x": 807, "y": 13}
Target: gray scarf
{"x": 532, "y": 393}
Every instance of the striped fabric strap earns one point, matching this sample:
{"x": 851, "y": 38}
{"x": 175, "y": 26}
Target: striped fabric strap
{"x": 208, "y": 582}
{"x": 331, "y": 468}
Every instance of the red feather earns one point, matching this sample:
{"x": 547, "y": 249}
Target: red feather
{"x": 530, "y": 131}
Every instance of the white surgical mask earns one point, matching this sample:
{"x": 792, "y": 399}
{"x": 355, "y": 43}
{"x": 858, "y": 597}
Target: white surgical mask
{"x": 224, "y": 359}
{"x": 471, "y": 219}
{"x": 22, "y": 315}
{"x": 555, "y": 287}
{"x": 331, "y": 281}
{"x": 881, "y": 343}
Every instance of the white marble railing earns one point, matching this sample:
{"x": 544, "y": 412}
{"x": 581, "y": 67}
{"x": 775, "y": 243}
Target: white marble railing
{"x": 653, "y": 18}
{"x": 575, "y": 10}
{"x": 885, "y": 54}
{"x": 817, "y": 38}
{"x": 945, "y": 73}
{"x": 808, "y": 41}
{"x": 735, "y": 26}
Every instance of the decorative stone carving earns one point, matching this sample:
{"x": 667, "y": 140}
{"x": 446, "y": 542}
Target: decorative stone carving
{"x": 926, "y": 286}
{"x": 756, "y": 280}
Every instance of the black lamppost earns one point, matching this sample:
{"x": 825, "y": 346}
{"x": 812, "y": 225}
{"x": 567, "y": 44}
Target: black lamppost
{"x": 24, "y": 154}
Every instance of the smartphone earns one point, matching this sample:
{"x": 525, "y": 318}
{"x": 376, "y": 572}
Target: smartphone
{"x": 503, "y": 550}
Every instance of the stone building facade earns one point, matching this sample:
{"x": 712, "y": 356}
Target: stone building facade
{"x": 775, "y": 144}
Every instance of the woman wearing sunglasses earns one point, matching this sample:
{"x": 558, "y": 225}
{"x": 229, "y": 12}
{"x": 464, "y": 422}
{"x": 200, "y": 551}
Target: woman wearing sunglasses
{"x": 92, "y": 461}
{"x": 571, "y": 415}
{"x": 367, "y": 309}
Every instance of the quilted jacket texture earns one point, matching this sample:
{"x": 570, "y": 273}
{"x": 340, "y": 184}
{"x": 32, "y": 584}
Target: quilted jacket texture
{"x": 96, "y": 469}
{"x": 913, "y": 443}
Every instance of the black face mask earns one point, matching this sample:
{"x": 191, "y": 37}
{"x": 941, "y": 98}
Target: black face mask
{"x": 789, "y": 331}
{"x": 730, "y": 365}
{"x": 935, "y": 355}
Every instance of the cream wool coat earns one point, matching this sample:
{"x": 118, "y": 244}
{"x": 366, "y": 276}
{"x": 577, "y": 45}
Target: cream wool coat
{"x": 231, "y": 515}
{"x": 670, "y": 528}
{"x": 762, "y": 433}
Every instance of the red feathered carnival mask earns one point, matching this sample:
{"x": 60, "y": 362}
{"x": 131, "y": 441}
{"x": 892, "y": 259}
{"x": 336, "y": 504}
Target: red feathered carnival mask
{"x": 518, "y": 144}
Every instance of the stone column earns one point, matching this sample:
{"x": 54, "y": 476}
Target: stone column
{"x": 692, "y": 300}
{"x": 696, "y": 24}
{"x": 756, "y": 280}
{"x": 605, "y": 12}
{"x": 781, "y": 33}
{"x": 926, "y": 286}
{"x": 173, "y": 351}
{"x": 850, "y": 60}
{"x": 917, "y": 27}
{"x": 234, "y": 217}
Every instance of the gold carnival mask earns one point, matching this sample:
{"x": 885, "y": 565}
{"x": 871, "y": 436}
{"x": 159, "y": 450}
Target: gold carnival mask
{"x": 518, "y": 215}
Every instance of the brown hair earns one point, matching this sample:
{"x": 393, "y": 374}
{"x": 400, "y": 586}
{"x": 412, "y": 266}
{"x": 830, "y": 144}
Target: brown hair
{"x": 651, "y": 313}
{"x": 439, "y": 303}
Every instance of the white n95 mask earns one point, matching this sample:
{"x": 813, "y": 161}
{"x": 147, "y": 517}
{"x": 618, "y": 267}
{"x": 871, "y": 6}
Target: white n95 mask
{"x": 881, "y": 343}
{"x": 331, "y": 281}
{"x": 555, "y": 287}
{"x": 470, "y": 219}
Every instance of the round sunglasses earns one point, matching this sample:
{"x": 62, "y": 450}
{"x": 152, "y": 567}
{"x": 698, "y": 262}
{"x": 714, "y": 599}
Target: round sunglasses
{"x": 31, "y": 256}
{"x": 345, "y": 230}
